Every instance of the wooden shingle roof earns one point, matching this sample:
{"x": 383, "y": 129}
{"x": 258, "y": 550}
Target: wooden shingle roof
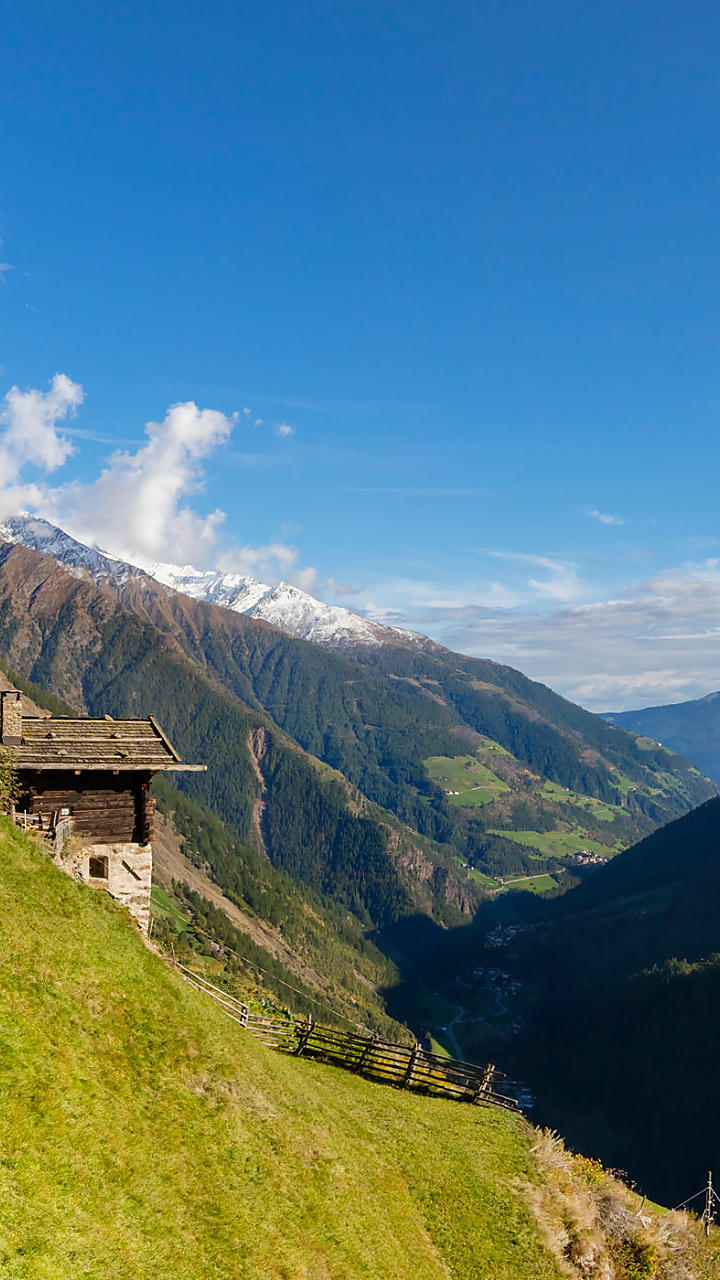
{"x": 125, "y": 745}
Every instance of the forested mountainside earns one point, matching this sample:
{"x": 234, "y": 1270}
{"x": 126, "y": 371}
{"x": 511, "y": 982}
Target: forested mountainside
{"x": 493, "y": 770}
{"x": 692, "y": 728}
{"x": 621, "y": 1047}
{"x": 145, "y": 1134}
{"x": 75, "y": 639}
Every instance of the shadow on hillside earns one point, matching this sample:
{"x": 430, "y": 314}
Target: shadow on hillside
{"x": 430, "y": 956}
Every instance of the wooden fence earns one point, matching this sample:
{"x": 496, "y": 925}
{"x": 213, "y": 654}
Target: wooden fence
{"x": 405, "y": 1066}
{"x": 56, "y": 828}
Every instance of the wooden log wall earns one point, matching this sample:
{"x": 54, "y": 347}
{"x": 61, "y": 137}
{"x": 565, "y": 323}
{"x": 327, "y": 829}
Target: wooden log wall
{"x": 107, "y": 808}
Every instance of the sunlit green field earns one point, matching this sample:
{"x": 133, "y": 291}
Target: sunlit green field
{"x": 531, "y": 884}
{"x": 596, "y": 809}
{"x": 465, "y": 781}
{"x": 558, "y": 843}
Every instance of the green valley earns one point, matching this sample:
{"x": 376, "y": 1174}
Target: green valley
{"x": 318, "y": 759}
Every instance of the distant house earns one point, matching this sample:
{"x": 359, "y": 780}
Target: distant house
{"x": 86, "y": 786}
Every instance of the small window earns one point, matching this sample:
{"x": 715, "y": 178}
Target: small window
{"x": 98, "y": 868}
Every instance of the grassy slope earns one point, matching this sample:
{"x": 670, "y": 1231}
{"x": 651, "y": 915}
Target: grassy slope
{"x": 144, "y": 1135}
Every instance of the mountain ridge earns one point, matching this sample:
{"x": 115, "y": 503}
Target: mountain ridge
{"x": 284, "y": 605}
{"x": 542, "y": 778}
{"x": 691, "y": 728}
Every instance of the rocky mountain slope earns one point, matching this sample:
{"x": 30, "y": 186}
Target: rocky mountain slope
{"x": 691, "y": 728}
{"x": 284, "y": 605}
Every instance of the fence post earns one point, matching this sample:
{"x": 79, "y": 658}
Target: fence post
{"x": 305, "y": 1034}
{"x": 414, "y": 1054}
{"x": 244, "y": 1016}
{"x": 485, "y": 1083}
{"x": 367, "y": 1050}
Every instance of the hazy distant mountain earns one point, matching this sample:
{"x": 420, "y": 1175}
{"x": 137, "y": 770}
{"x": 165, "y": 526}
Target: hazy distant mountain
{"x": 690, "y": 728}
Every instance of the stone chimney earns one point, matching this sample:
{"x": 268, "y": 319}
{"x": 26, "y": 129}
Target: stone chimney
{"x": 10, "y": 718}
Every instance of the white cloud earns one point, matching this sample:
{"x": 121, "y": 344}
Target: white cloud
{"x": 305, "y": 579}
{"x": 604, "y": 517}
{"x": 139, "y": 506}
{"x": 657, "y": 641}
{"x": 136, "y": 507}
{"x": 560, "y": 582}
{"x": 4, "y": 267}
{"x": 284, "y": 430}
{"x": 29, "y": 420}
{"x": 30, "y": 440}
{"x": 275, "y": 559}
{"x": 333, "y": 587}
{"x": 247, "y": 411}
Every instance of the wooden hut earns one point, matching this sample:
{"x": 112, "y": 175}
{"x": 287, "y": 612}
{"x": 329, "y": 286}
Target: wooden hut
{"x": 86, "y": 785}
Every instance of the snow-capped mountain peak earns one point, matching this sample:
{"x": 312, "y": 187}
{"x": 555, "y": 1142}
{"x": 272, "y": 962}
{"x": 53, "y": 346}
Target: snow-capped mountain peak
{"x": 40, "y": 535}
{"x": 230, "y": 590}
{"x": 285, "y": 606}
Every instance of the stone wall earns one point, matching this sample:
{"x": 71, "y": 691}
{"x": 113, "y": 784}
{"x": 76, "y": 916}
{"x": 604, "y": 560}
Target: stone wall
{"x": 123, "y": 869}
{"x": 11, "y": 710}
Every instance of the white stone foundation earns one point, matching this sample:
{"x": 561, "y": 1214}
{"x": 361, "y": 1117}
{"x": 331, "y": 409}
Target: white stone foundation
{"x": 124, "y": 870}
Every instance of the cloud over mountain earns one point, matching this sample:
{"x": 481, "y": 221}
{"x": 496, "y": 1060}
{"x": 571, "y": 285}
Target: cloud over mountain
{"x": 140, "y": 506}
{"x": 657, "y": 640}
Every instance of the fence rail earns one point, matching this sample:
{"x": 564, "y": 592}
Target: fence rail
{"x": 385, "y": 1061}
{"x": 56, "y": 828}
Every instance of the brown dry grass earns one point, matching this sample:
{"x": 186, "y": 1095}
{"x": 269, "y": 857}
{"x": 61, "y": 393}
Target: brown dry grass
{"x": 599, "y": 1229}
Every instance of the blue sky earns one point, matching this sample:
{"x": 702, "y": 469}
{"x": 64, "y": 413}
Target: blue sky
{"x": 468, "y": 253}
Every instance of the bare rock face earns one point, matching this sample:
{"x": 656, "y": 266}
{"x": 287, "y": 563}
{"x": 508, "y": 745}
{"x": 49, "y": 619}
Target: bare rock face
{"x": 422, "y": 875}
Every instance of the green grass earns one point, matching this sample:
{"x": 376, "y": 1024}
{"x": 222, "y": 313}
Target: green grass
{"x": 163, "y": 905}
{"x": 557, "y": 843}
{"x": 598, "y": 810}
{"x": 531, "y": 884}
{"x": 488, "y": 746}
{"x": 474, "y": 783}
{"x": 145, "y": 1135}
{"x": 622, "y": 782}
{"x": 479, "y": 877}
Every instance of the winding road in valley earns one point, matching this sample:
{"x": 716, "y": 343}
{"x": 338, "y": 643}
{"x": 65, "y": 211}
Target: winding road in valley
{"x": 463, "y": 1015}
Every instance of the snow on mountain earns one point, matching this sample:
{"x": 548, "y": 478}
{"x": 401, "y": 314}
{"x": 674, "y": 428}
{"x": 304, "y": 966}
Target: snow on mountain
{"x": 39, "y": 535}
{"x": 229, "y": 590}
{"x": 285, "y": 606}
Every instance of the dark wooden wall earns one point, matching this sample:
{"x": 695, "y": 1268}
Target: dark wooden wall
{"x": 105, "y": 808}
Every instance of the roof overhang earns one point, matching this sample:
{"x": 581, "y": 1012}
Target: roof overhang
{"x": 64, "y": 766}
